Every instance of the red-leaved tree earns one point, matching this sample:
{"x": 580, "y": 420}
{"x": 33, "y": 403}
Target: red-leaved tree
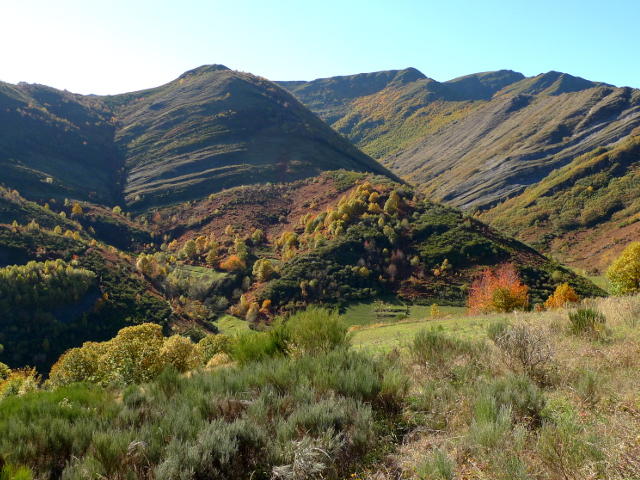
{"x": 498, "y": 290}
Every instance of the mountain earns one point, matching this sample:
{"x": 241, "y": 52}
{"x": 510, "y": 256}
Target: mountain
{"x": 237, "y": 201}
{"x": 585, "y": 212}
{"x": 210, "y": 129}
{"x": 477, "y": 140}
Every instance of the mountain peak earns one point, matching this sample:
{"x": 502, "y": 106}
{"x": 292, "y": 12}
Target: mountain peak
{"x": 408, "y": 75}
{"x": 204, "y": 69}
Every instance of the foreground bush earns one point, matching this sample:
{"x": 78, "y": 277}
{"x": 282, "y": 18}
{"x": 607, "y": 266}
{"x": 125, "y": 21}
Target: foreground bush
{"x": 267, "y": 419}
{"x": 135, "y": 355}
{"x": 587, "y": 321}
{"x": 525, "y": 348}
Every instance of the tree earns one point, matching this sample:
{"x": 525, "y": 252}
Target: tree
{"x": 263, "y": 270}
{"x": 258, "y": 236}
{"x": 76, "y": 209}
{"x": 189, "y": 250}
{"x": 233, "y": 263}
{"x": 498, "y": 290}
{"x": 392, "y": 204}
{"x": 212, "y": 255}
{"x": 201, "y": 244}
{"x": 563, "y": 294}
{"x": 624, "y": 272}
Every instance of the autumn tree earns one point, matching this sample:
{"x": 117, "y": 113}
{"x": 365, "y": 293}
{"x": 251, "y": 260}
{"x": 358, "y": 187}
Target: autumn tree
{"x": 258, "y": 236}
{"x": 498, "y": 290}
{"x": 263, "y": 270}
{"x": 76, "y": 209}
{"x": 624, "y": 272}
{"x": 562, "y": 295}
{"x": 189, "y": 250}
{"x": 233, "y": 263}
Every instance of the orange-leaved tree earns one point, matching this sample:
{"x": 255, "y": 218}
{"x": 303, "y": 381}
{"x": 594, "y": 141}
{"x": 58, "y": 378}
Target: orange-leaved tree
{"x": 498, "y": 290}
{"x": 563, "y": 294}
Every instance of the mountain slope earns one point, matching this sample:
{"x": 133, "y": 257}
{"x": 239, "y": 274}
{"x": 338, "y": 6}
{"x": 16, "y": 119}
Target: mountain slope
{"x": 585, "y": 212}
{"x": 214, "y": 128}
{"x": 210, "y": 129}
{"x": 477, "y": 140}
{"x": 55, "y": 144}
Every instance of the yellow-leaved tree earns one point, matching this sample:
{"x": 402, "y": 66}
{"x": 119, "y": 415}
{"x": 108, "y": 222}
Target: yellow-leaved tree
{"x": 563, "y": 295}
{"x": 624, "y": 272}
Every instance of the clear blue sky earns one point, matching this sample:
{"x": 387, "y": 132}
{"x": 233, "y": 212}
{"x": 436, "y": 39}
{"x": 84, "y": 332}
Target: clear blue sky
{"x": 98, "y": 46}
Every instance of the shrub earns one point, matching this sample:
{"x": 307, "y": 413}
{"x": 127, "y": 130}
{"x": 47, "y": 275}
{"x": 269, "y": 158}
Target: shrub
{"x": 525, "y": 348}
{"x": 624, "y": 272}
{"x": 136, "y": 354}
{"x": 565, "y": 446}
{"x": 520, "y": 395}
{"x": 498, "y": 290}
{"x": 437, "y": 466}
{"x": 212, "y": 345}
{"x": 316, "y": 330}
{"x": 436, "y": 349}
{"x": 180, "y": 353}
{"x": 5, "y": 371}
{"x": 11, "y": 472}
{"x": 254, "y": 346}
{"x": 263, "y": 270}
{"x": 233, "y": 263}
{"x": 563, "y": 295}
{"x": 587, "y": 321}
{"x": 19, "y": 382}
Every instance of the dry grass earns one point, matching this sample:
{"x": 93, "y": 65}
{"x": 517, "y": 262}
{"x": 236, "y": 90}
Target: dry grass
{"x": 590, "y": 424}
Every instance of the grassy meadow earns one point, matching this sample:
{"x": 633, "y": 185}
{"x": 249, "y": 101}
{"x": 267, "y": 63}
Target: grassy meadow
{"x": 528, "y": 395}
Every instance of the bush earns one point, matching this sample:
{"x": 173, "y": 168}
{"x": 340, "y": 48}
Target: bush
{"x": 565, "y": 446}
{"x": 436, "y": 349}
{"x": 587, "y": 321}
{"x": 437, "y": 466}
{"x": 498, "y": 290}
{"x": 525, "y": 348}
{"x": 316, "y": 330}
{"x": 254, "y": 347}
{"x": 136, "y": 354}
{"x": 563, "y": 295}
{"x": 212, "y": 345}
{"x": 520, "y": 395}
{"x": 263, "y": 420}
{"x": 624, "y": 272}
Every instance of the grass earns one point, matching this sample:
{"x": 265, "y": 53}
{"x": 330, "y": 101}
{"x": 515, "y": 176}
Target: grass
{"x": 363, "y": 313}
{"x": 384, "y": 337}
{"x": 200, "y": 273}
{"x": 230, "y": 325}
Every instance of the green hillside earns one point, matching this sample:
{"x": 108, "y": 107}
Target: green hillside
{"x": 210, "y": 129}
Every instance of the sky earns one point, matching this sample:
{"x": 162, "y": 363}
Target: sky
{"x": 115, "y": 46}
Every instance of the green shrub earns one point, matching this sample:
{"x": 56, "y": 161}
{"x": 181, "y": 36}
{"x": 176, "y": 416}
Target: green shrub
{"x": 212, "y": 345}
{"x": 518, "y": 394}
{"x": 11, "y": 472}
{"x": 587, "y": 321}
{"x": 437, "y": 466}
{"x": 233, "y": 423}
{"x": 316, "y": 330}
{"x": 566, "y": 447}
{"x": 254, "y": 346}
{"x": 438, "y": 350}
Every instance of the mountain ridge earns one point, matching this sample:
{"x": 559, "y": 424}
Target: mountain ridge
{"x": 209, "y": 129}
